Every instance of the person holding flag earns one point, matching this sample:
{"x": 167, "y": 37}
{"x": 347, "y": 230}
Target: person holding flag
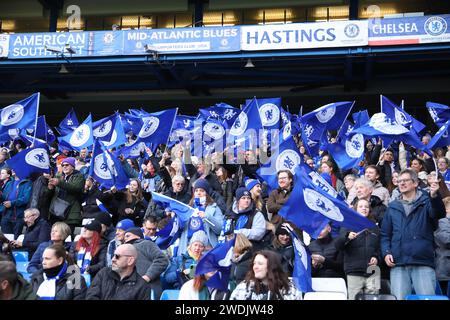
{"x": 361, "y": 250}
{"x": 208, "y": 216}
{"x": 266, "y": 280}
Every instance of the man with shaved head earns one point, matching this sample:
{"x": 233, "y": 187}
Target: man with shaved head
{"x": 120, "y": 281}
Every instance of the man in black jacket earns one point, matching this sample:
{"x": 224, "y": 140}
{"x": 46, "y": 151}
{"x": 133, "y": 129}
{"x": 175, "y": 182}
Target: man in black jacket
{"x": 121, "y": 281}
{"x": 38, "y": 231}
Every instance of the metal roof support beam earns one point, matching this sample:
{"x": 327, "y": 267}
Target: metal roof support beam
{"x": 353, "y": 10}
{"x": 54, "y": 6}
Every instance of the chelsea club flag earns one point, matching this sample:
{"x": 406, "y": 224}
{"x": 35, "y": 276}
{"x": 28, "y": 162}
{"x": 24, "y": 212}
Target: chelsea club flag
{"x": 22, "y": 114}
{"x": 81, "y": 137}
{"x": 30, "y": 160}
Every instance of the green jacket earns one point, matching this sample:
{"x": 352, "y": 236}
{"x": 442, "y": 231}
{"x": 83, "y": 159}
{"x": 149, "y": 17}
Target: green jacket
{"x": 23, "y": 290}
{"x": 71, "y": 191}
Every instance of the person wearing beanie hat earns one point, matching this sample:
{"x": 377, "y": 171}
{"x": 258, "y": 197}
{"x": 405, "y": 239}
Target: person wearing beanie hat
{"x": 67, "y": 185}
{"x": 255, "y": 188}
{"x": 70, "y": 161}
{"x": 182, "y": 268}
{"x": 90, "y": 250}
{"x": 151, "y": 261}
{"x": 202, "y": 184}
{"x": 207, "y": 217}
{"x": 282, "y": 244}
{"x": 136, "y": 232}
{"x": 246, "y": 219}
{"x": 121, "y": 227}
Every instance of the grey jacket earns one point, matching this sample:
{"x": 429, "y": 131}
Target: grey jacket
{"x": 442, "y": 239}
{"x": 151, "y": 260}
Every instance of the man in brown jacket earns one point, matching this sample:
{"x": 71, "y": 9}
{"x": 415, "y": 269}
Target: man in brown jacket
{"x": 278, "y": 197}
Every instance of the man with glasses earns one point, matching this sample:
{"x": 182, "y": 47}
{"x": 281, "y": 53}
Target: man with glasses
{"x": 279, "y": 196}
{"x": 120, "y": 281}
{"x": 38, "y": 231}
{"x": 177, "y": 191}
{"x": 407, "y": 240}
{"x": 66, "y": 186}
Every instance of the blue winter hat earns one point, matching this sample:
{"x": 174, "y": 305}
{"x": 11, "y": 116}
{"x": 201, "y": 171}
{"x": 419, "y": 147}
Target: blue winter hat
{"x": 250, "y": 183}
{"x": 326, "y": 177}
{"x": 125, "y": 224}
{"x": 203, "y": 184}
{"x": 242, "y": 191}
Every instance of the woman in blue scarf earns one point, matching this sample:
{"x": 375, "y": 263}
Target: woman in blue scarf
{"x": 57, "y": 280}
{"x": 208, "y": 217}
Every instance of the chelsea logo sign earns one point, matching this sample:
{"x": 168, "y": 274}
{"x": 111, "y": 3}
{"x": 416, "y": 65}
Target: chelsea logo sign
{"x": 435, "y": 26}
{"x": 149, "y": 127}
{"x": 351, "y": 30}
{"x": 38, "y": 158}
{"x": 11, "y": 114}
{"x": 270, "y": 114}
{"x": 80, "y": 136}
{"x": 101, "y": 168}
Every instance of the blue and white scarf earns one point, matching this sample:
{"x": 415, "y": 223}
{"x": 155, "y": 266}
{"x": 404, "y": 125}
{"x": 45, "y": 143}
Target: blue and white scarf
{"x": 47, "y": 289}
{"x": 84, "y": 259}
{"x": 195, "y": 222}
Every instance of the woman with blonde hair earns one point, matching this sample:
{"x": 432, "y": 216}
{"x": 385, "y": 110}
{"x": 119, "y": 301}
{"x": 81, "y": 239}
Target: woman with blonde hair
{"x": 240, "y": 262}
{"x": 59, "y": 233}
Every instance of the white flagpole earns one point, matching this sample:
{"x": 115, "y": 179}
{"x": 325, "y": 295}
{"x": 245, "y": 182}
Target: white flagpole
{"x": 348, "y": 113}
{"x": 171, "y": 127}
{"x": 37, "y": 113}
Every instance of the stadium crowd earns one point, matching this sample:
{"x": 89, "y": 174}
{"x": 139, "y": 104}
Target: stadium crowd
{"x": 117, "y": 253}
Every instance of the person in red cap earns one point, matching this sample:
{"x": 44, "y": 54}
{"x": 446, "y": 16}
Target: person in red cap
{"x": 66, "y": 190}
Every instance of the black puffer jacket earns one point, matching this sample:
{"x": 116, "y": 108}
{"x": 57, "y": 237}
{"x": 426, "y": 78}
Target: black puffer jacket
{"x": 287, "y": 257}
{"x": 332, "y": 267}
{"x": 108, "y": 286}
{"x": 359, "y": 251}
{"x": 64, "y": 291}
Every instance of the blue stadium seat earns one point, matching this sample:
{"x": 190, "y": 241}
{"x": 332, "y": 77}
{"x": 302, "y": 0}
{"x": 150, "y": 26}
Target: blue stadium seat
{"x": 87, "y": 278}
{"x": 22, "y": 266}
{"x": 20, "y": 256}
{"x": 26, "y": 276}
{"x": 170, "y": 294}
{"x": 425, "y": 297}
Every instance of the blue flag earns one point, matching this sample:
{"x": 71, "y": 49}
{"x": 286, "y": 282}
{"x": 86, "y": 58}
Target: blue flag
{"x": 69, "y": 123}
{"x": 131, "y": 123}
{"x": 31, "y": 160}
{"x": 269, "y": 112}
{"x": 169, "y": 234}
{"x": 117, "y": 137}
{"x": 439, "y": 112}
{"x": 103, "y": 128}
{"x": 348, "y": 152}
{"x": 347, "y": 126}
{"x": 330, "y": 116}
{"x": 310, "y": 208}
{"x": 182, "y": 130}
{"x": 131, "y": 150}
{"x": 395, "y": 113}
{"x": 222, "y": 112}
{"x": 106, "y": 169}
{"x": 441, "y": 138}
{"x": 157, "y": 127}
{"x": 80, "y": 138}
{"x": 183, "y": 211}
{"x": 302, "y": 265}
{"x": 22, "y": 114}
{"x": 218, "y": 259}
{"x": 382, "y": 126}
{"x": 287, "y": 156}
{"x": 360, "y": 118}
{"x": 246, "y": 129}
{"x": 43, "y": 131}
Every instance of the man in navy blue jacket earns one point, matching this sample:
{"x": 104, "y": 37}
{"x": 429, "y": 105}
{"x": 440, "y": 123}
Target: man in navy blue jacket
{"x": 407, "y": 240}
